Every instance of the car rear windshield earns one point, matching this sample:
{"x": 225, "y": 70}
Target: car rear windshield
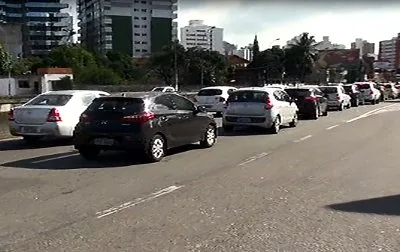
{"x": 348, "y": 88}
{"x": 248, "y": 96}
{"x": 50, "y": 100}
{"x": 209, "y": 92}
{"x": 364, "y": 86}
{"x": 329, "y": 90}
{"x": 119, "y": 105}
{"x": 298, "y": 92}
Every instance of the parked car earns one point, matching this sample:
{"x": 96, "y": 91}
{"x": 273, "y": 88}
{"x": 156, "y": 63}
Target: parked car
{"x": 356, "y": 96}
{"x": 370, "y": 92}
{"x": 337, "y": 97}
{"x": 51, "y": 115}
{"x": 263, "y": 107}
{"x": 214, "y": 98}
{"x": 391, "y": 91}
{"x": 310, "y": 101}
{"x": 149, "y": 123}
{"x": 167, "y": 89}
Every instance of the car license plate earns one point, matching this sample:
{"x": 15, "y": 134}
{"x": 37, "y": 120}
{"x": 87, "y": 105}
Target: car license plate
{"x": 104, "y": 141}
{"x": 29, "y": 129}
{"x": 244, "y": 120}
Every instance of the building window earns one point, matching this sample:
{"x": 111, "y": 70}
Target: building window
{"x": 144, "y": 34}
{"x": 136, "y": 9}
{"x": 136, "y": 1}
{"x": 143, "y": 2}
{"x": 136, "y": 26}
{"x": 144, "y": 26}
{"x": 144, "y": 50}
{"x": 137, "y": 50}
{"x": 144, "y": 10}
{"x": 144, "y": 42}
{"x": 137, "y": 42}
{"x": 144, "y": 18}
{"x": 137, "y": 34}
{"x": 136, "y": 18}
{"x": 23, "y": 84}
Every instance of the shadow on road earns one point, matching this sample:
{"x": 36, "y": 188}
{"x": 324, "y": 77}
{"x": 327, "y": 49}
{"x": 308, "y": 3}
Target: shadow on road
{"x": 19, "y": 144}
{"x": 245, "y": 131}
{"x": 72, "y": 160}
{"x": 389, "y": 205}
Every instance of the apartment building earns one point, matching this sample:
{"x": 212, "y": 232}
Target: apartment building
{"x": 44, "y": 25}
{"x": 389, "y": 51}
{"x": 246, "y": 52}
{"x": 134, "y": 27}
{"x": 364, "y": 46}
{"x": 198, "y": 34}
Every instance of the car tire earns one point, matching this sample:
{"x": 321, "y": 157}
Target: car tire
{"x": 156, "y": 149}
{"x": 218, "y": 114}
{"x": 325, "y": 113}
{"x": 31, "y": 139}
{"x": 210, "y": 137}
{"x": 357, "y": 103}
{"x": 341, "y": 107}
{"x": 316, "y": 114}
{"x": 373, "y": 102}
{"x": 89, "y": 153}
{"x": 227, "y": 128}
{"x": 294, "y": 121}
{"x": 276, "y": 126}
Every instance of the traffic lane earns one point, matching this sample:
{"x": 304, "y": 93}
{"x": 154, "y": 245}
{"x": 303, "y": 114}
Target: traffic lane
{"x": 276, "y": 202}
{"x": 216, "y": 180}
{"x": 55, "y": 187}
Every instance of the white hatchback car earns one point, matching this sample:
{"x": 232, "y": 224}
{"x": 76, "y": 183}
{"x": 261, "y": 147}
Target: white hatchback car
{"x": 261, "y": 107}
{"x": 213, "y": 99}
{"x": 53, "y": 114}
{"x": 337, "y": 97}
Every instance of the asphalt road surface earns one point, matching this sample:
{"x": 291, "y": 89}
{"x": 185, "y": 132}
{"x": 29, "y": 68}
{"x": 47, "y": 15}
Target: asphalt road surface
{"x": 327, "y": 185}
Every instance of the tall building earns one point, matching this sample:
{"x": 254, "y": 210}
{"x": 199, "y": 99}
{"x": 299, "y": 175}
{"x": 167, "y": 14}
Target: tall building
{"x": 364, "y": 46}
{"x": 44, "y": 26}
{"x": 198, "y": 34}
{"x": 134, "y": 27}
{"x": 326, "y": 44}
{"x": 389, "y": 51}
{"x": 246, "y": 52}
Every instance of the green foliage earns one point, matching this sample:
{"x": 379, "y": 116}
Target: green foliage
{"x": 256, "y": 49}
{"x": 6, "y": 61}
{"x": 64, "y": 83}
{"x": 73, "y": 56}
{"x": 98, "y": 75}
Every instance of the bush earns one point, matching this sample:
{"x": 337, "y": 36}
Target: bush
{"x": 98, "y": 76}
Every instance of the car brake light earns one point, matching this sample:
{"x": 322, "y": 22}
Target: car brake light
{"x": 11, "y": 115}
{"x": 311, "y": 98}
{"x": 54, "y": 116}
{"x": 85, "y": 118}
{"x": 140, "y": 118}
{"x": 268, "y": 104}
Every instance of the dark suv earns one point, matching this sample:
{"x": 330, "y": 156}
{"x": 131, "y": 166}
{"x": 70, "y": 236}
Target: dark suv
{"x": 149, "y": 123}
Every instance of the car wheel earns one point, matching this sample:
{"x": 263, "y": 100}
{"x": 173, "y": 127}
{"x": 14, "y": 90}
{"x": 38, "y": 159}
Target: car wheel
{"x": 156, "y": 148}
{"x": 89, "y": 153}
{"x": 325, "y": 113}
{"x": 218, "y": 114}
{"x": 276, "y": 126}
{"x": 357, "y": 103}
{"x": 341, "y": 107}
{"x": 294, "y": 121}
{"x": 227, "y": 128}
{"x": 31, "y": 139}
{"x": 210, "y": 137}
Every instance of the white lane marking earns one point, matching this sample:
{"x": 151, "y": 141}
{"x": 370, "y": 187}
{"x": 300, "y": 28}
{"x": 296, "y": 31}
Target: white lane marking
{"x": 135, "y": 202}
{"x": 332, "y": 127}
{"x": 369, "y": 113}
{"x": 302, "y": 139}
{"x": 253, "y": 158}
{"x": 55, "y": 158}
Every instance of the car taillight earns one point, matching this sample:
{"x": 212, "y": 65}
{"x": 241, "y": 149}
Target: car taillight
{"x": 268, "y": 104}
{"x": 85, "y": 118}
{"x": 311, "y": 98}
{"x": 221, "y": 99}
{"x": 54, "y": 116}
{"x": 140, "y": 118}
{"x": 11, "y": 115}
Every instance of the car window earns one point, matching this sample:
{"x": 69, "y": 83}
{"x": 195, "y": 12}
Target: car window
{"x": 364, "y": 86}
{"x": 285, "y": 96}
{"x": 298, "y": 92}
{"x": 159, "y": 89}
{"x": 50, "y": 100}
{"x": 163, "y": 102}
{"x": 318, "y": 92}
{"x": 169, "y": 90}
{"x": 230, "y": 91}
{"x": 209, "y": 92}
{"x": 248, "y": 96}
{"x": 279, "y": 96}
{"x": 87, "y": 99}
{"x": 117, "y": 104}
{"x": 329, "y": 90}
{"x": 182, "y": 103}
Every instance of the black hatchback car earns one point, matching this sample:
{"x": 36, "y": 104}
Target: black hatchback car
{"x": 148, "y": 123}
{"x": 310, "y": 100}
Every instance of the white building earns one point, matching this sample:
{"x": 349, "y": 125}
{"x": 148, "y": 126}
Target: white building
{"x": 326, "y": 44}
{"x": 364, "y": 46}
{"x": 197, "y": 34}
{"x": 245, "y": 52}
{"x": 389, "y": 51}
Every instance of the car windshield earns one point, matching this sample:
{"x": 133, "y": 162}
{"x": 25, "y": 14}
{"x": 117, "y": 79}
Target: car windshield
{"x": 50, "y": 100}
{"x": 209, "y": 92}
{"x": 329, "y": 90}
{"x": 121, "y": 105}
{"x": 364, "y": 86}
{"x": 298, "y": 92}
{"x": 248, "y": 96}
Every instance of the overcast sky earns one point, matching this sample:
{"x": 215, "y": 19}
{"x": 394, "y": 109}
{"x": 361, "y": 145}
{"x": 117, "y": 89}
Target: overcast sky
{"x": 342, "y": 21}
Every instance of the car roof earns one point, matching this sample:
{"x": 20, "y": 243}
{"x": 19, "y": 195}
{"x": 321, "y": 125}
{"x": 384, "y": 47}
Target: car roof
{"x": 264, "y": 89}
{"x": 74, "y": 92}
{"x": 218, "y": 87}
{"x": 330, "y": 86}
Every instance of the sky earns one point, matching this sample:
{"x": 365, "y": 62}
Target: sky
{"x": 343, "y": 21}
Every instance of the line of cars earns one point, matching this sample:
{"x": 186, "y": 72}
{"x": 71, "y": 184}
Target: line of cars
{"x": 147, "y": 124}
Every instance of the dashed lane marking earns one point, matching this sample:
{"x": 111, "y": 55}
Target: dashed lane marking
{"x": 332, "y": 127}
{"x": 302, "y": 139}
{"x": 254, "y": 158}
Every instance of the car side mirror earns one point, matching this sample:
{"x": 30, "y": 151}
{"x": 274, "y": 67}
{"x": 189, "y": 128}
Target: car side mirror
{"x": 200, "y": 109}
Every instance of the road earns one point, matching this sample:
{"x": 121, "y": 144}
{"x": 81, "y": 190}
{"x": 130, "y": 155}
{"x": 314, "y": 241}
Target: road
{"x": 326, "y": 185}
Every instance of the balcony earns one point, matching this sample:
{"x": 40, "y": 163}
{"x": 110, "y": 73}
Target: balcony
{"x": 49, "y": 33}
{"x": 46, "y": 5}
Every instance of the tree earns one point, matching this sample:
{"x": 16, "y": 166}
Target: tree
{"x": 256, "y": 49}
{"x": 98, "y": 75}
{"x": 300, "y": 57}
{"x": 121, "y": 64}
{"x": 6, "y": 61}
